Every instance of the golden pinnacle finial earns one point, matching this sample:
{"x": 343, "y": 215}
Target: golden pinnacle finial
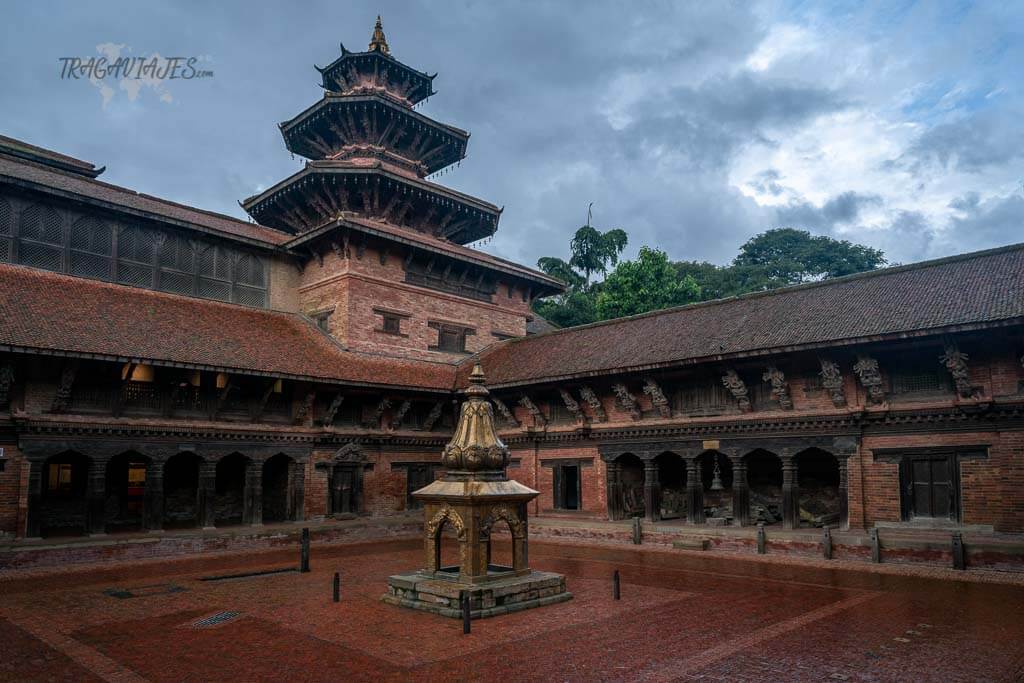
{"x": 378, "y": 41}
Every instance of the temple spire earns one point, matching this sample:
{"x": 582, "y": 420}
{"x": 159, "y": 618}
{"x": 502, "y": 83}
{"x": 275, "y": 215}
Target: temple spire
{"x": 378, "y": 42}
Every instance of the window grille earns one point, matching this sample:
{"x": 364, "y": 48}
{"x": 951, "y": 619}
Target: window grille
{"x": 706, "y": 397}
{"x": 6, "y": 231}
{"x": 136, "y": 249}
{"x": 91, "y": 248}
{"x": 392, "y": 323}
{"x": 40, "y": 237}
{"x": 914, "y": 375}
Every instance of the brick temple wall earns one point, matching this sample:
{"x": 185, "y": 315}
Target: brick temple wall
{"x": 13, "y": 484}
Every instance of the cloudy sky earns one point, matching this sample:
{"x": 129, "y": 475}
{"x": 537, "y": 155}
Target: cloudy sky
{"x": 692, "y": 125}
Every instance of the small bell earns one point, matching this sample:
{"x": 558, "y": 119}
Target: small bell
{"x": 716, "y": 478}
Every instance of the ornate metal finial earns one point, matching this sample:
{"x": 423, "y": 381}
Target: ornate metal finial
{"x": 475, "y": 446}
{"x": 378, "y": 42}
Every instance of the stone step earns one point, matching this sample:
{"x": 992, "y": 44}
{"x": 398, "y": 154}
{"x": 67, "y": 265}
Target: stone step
{"x": 690, "y": 543}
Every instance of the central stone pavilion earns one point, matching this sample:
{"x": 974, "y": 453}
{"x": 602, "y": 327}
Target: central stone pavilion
{"x": 474, "y": 495}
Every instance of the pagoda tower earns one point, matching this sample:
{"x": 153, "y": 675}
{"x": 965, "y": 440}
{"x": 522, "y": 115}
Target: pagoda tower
{"x": 369, "y": 153}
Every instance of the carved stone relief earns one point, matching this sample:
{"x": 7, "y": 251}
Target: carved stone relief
{"x": 658, "y": 398}
{"x": 832, "y": 381}
{"x": 866, "y": 369}
{"x": 588, "y": 395}
{"x": 780, "y": 390}
{"x": 738, "y": 389}
{"x": 626, "y": 400}
{"x": 955, "y": 361}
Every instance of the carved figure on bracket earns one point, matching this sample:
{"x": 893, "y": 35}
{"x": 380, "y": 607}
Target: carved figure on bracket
{"x": 538, "y": 417}
{"x": 433, "y": 416}
{"x": 588, "y": 395}
{"x": 6, "y": 381}
{"x": 626, "y": 400}
{"x": 955, "y": 361}
{"x": 506, "y": 414}
{"x": 350, "y": 452}
{"x": 738, "y": 389}
{"x": 658, "y": 399}
{"x": 305, "y": 408}
{"x": 403, "y": 409}
{"x": 378, "y": 414}
{"x": 866, "y": 369}
{"x": 832, "y": 381}
{"x": 67, "y": 380}
{"x": 780, "y": 390}
{"x": 332, "y": 409}
{"x": 571, "y": 405}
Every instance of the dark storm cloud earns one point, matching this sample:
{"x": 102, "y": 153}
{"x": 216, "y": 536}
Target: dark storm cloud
{"x": 983, "y": 224}
{"x": 843, "y": 209}
{"x": 979, "y": 142}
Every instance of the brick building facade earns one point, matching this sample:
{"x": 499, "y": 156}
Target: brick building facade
{"x": 164, "y": 367}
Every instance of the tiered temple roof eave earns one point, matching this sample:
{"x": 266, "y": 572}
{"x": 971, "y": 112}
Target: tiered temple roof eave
{"x": 275, "y": 206}
{"x": 424, "y": 81}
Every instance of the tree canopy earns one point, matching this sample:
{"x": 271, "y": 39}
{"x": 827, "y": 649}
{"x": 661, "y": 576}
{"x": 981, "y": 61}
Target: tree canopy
{"x": 775, "y": 258}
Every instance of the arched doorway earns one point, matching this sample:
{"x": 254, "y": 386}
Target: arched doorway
{"x": 818, "y": 493}
{"x": 64, "y": 505}
{"x": 181, "y": 491}
{"x": 279, "y": 473}
{"x": 447, "y": 557}
{"x": 764, "y": 478}
{"x": 716, "y": 482}
{"x": 631, "y": 485}
{"x": 500, "y": 547}
{"x": 229, "y": 490}
{"x": 672, "y": 479}
{"x": 125, "y": 503}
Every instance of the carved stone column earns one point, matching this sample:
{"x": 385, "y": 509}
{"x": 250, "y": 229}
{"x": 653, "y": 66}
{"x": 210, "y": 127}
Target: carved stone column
{"x": 614, "y": 490}
{"x": 844, "y": 495}
{"x": 96, "y": 498}
{"x": 252, "y": 494}
{"x": 740, "y": 491}
{"x": 694, "y": 492}
{"x": 298, "y": 494}
{"x": 33, "y": 521}
{"x": 652, "y": 491}
{"x": 790, "y": 494}
{"x": 154, "y": 506}
{"x": 206, "y": 494}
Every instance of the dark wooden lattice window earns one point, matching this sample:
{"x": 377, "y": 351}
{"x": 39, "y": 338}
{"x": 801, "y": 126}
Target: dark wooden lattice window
{"x": 40, "y": 237}
{"x": 250, "y": 281}
{"x": 917, "y": 375}
{"x": 136, "y": 253}
{"x": 177, "y": 265}
{"x": 704, "y": 397}
{"x": 392, "y": 324}
{"x": 451, "y": 339}
{"x": 92, "y": 247}
{"x": 6, "y": 232}
{"x": 558, "y": 413}
{"x": 215, "y": 273}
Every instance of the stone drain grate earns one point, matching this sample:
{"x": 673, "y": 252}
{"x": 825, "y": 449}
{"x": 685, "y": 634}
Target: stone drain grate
{"x": 215, "y": 619}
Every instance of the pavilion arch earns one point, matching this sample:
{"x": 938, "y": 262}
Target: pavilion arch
{"x": 64, "y": 499}
{"x": 626, "y": 478}
{"x": 765, "y": 482}
{"x": 182, "y": 493}
{"x": 279, "y": 485}
{"x": 231, "y": 500}
{"x": 126, "y": 502}
{"x": 672, "y": 480}
{"x": 444, "y": 519}
{"x": 819, "y": 489}
{"x": 718, "y": 502}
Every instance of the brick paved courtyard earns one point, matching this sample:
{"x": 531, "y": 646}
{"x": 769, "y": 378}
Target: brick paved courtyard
{"x": 682, "y": 616}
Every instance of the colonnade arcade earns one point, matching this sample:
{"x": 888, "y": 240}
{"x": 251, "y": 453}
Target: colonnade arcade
{"x": 786, "y": 481}
{"x": 102, "y": 487}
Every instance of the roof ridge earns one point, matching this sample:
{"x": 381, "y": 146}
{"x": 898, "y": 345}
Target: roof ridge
{"x": 878, "y": 272}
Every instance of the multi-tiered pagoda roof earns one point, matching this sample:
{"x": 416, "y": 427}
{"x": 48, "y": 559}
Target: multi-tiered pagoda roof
{"x": 369, "y": 154}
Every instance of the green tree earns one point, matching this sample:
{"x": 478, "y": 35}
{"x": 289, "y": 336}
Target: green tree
{"x": 787, "y": 256}
{"x": 649, "y": 283}
{"x": 571, "y": 308}
{"x": 592, "y": 250}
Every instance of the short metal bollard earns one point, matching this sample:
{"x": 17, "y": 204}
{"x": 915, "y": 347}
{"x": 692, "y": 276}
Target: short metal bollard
{"x": 616, "y": 592}
{"x": 638, "y": 533}
{"x": 876, "y": 546}
{"x": 959, "y": 554}
{"x": 466, "y": 614}
{"x": 304, "y": 556}
{"x": 337, "y": 587}
{"x": 826, "y": 544}
{"x": 761, "y": 538}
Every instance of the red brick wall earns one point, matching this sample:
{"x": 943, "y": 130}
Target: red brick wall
{"x": 354, "y": 287}
{"x": 532, "y": 472}
{"x": 13, "y": 483}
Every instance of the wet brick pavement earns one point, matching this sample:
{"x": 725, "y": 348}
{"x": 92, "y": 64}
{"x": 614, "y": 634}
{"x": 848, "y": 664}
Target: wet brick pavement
{"x": 683, "y": 616}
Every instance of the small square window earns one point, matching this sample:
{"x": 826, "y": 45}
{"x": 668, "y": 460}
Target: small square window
{"x": 323, "y": 321}
{"x": 451, "y": 339}
{"x": 392, "y": 323}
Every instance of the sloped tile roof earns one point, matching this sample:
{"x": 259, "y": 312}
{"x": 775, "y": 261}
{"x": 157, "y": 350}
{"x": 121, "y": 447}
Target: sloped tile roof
{"x": 967, "y": 290}
{"x": 48, "y": 312}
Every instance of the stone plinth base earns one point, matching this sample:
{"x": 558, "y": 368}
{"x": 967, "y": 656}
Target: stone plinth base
{"x": 500, "y": 596}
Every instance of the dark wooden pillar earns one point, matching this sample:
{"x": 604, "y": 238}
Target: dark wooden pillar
{"x": 790, "y": 494}
{"x": 33, "y": 521}
{"x": 297, "y": 494}
{"x": 96, "y": 498}
{"x": 740, "y": 491}
{"x": 207, "y": 494}
{"x": 614, "y": 490}
{"x": 154, "y": 505}
{"x": 844, "y": 496}
{"x": 652, "y": 491}
{"x": 694, "y": 492}
{"x": 252, "y": 494}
